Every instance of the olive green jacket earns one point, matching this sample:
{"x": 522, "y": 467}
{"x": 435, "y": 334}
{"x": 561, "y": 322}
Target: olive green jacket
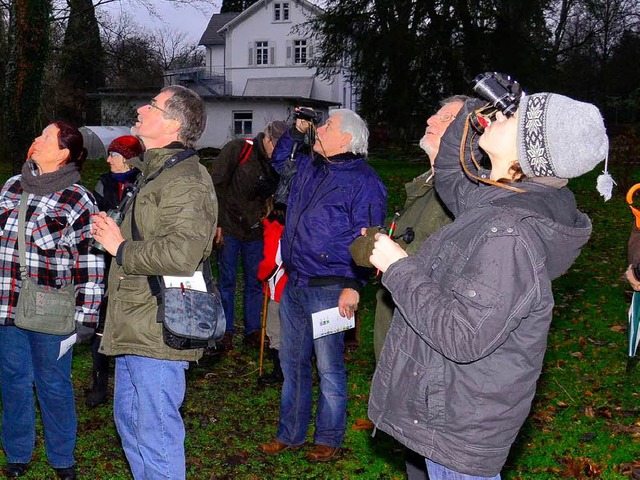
{"x": 176, "y": 215}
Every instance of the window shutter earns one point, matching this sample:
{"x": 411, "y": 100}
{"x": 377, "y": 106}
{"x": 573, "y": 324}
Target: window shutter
{"x": 272, "y": 55}
{"x": 250, "y": 53}
{"x": 310, "y": 51}
{"x": 289, "y": 53}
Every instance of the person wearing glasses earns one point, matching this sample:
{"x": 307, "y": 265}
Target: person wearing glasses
{"x": 175, "y": 213}
{"x": 241, "y": 175}
{"x": 108, "y": 193}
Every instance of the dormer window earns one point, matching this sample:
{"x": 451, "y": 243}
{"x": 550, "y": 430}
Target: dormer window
{"x": 281, "y": 12}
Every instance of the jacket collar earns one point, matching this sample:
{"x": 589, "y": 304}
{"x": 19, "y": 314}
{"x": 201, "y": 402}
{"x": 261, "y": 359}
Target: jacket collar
{"x": 154, "y": 158}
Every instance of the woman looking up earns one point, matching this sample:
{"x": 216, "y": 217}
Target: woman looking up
{"x": 57, "y": 257}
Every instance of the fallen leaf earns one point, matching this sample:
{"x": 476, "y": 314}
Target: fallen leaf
{"x": 362, "y": 424}
{"x": 576, "y": 355}
{"x": 619, "y": 328}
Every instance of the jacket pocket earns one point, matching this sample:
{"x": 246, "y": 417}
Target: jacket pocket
{"x": 48, "y": 229}
{"x": 416, "y": 394}
{"x": 477, "y": 301}
{"x": 133, "y": 312}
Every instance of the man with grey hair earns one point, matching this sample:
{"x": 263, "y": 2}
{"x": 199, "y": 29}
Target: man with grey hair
{"x": 333, "y": 195}
{"x": 169, "y": 230}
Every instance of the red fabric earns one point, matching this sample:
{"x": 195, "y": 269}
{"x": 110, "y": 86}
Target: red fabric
{"x": 268, "y": 267}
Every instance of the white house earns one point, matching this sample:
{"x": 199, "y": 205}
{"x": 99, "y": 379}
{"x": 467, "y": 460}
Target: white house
{"x": 257, "y": 69}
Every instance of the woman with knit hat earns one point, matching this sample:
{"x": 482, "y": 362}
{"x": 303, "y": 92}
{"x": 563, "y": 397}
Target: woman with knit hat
{"x": 122, "y": 154}
{"x": 458, "y": 371}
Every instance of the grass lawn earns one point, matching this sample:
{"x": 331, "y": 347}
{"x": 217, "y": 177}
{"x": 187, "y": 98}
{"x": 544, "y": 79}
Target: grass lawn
{"x": 585, "y": 421}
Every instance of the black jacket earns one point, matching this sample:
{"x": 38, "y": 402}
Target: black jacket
{"x": 236, "y": 176}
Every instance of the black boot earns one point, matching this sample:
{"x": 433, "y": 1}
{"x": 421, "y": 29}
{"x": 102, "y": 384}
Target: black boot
{"x": 100, "y": 374}
{"x": 275, "y": 377}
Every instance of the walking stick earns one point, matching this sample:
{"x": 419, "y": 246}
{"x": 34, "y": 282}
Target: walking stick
{"x": 263, "y": 332}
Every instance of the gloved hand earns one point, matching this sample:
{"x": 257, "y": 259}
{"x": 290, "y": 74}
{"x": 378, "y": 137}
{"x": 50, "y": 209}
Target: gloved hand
{"x": 362, "y": 247}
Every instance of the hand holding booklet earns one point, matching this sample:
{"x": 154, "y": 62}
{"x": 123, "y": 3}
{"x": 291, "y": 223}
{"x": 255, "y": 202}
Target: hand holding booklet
{"x": 329, "y": 321}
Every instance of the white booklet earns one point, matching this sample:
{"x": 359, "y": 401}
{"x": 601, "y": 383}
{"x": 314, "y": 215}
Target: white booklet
{"x": 326, "y": 322}
{"x": 195, "y": 282}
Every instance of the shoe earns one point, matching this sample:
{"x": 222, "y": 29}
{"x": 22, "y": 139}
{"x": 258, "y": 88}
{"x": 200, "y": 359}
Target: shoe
{"x": 15, "y": 470}
{"x": 253, "y": 339}
{"x": 227, "y": 342}
{"x": 275, "y": 447}
{"x": 322, "y": 453}
{"x": 66, "y": 473}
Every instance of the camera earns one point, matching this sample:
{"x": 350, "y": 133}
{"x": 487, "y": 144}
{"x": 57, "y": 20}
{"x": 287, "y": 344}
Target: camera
{"x": 117, "y": 216}
{"x": 502, "y": 93}
{"x": 308, "y": 114}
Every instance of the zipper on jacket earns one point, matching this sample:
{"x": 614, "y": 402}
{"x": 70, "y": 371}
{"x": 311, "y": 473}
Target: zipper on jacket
{"x": 120, "y": 278}
{"x": 295, "y": 230}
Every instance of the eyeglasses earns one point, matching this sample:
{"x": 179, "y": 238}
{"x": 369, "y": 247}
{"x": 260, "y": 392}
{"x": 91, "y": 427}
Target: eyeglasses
{"x": 153, "y": 104}
{"x": 113, "y": 154}
{"x": 443, "y": 117}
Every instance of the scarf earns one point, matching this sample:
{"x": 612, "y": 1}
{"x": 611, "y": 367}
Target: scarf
{"x": 46, "y": 183}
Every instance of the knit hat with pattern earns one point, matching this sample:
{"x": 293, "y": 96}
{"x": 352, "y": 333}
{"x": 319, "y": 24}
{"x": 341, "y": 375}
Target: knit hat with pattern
{"x": 559, "y": 137}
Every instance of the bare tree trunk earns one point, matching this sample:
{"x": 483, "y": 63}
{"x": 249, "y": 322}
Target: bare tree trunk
{"x": 29, "y": 41}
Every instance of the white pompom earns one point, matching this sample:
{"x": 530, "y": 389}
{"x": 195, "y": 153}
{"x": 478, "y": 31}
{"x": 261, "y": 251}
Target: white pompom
{"x": 605, "y": 185}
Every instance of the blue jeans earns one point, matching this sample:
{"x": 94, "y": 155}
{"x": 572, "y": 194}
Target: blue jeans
{"x": 228, "y": 269}
{"x": 28, "y": 358}
{"x": 146, "y": 408}
{"x": 440, "y": 472}
{"x": 296, "y": 349}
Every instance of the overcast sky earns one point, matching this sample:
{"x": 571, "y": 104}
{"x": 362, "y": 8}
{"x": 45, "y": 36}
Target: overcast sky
{"x": 189, "y": 18}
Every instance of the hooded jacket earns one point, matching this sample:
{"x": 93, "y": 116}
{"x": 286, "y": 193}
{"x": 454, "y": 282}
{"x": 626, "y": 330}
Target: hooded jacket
{"x": 176, "y": 215}
{"x": 458, "y": 370}
{"x": 330, "y": 201}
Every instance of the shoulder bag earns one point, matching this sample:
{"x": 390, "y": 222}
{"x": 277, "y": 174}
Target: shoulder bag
{"x": 40, "y": 309}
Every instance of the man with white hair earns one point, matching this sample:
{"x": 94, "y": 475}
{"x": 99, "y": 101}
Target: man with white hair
{"x": 333, "y": 195}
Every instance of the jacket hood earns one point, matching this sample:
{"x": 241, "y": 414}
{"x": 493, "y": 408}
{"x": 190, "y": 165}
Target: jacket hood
{"x": 561, "y": 228}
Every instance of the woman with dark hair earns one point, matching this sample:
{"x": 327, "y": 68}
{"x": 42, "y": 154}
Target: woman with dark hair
{"x": 56, "y": 256}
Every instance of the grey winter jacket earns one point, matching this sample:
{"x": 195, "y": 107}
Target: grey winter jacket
{"x": 176, "y": 214}
{"x": 458, "y": 370}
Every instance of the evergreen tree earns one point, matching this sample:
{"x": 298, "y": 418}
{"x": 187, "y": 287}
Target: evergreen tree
{"x": 235, "y": 5}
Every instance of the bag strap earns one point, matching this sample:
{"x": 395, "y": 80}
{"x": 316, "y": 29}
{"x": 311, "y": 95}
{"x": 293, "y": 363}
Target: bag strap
{"x": 22, "y": 220}
{"x": 154, "y": 280}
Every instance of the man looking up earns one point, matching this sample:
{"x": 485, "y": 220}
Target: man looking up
{"x": 241, "y": 175}
{"x": 334, "y": 194}
{"x": 175, "y": 213}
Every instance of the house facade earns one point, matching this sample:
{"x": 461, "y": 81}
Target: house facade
{"x": 258, "y": 66}
{"x": 257, "y": 70}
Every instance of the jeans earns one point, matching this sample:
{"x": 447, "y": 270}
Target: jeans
{"x": 228, "y": 268}
{"x": 296, "y": 349}
{"x": 440, "y": 472}
{"x": 28, "y": 358}
{"x": 148, "y": 395}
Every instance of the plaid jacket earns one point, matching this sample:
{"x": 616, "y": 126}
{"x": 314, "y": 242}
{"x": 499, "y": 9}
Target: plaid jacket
{"x": 57, "y": 248}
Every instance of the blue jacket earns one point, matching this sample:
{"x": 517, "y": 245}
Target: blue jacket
{"x": 329, "y": 203}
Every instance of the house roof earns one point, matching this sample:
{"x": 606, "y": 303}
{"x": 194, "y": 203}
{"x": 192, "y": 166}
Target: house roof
{"x": 218, "y": 20}
{"x": 224, "y": 21}
{"x": 279, "y": 86}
